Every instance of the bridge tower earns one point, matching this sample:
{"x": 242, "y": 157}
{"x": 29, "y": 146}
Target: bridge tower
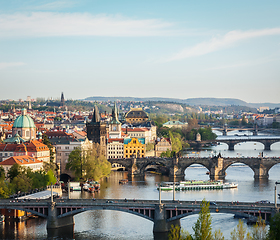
{"x": 217, "y": 171}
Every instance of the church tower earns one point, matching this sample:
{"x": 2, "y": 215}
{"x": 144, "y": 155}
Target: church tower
{"x": 97, "y": 131}
{"x": 62, "y": 101}
{"x": 115, "y": 125}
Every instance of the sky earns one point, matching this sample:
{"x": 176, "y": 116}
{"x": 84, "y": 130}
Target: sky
{"x": 160, "y": 48}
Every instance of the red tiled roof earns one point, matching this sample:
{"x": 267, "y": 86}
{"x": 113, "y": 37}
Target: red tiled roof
{"x": 21, "y": 160}
{"x": 115, "y": 140}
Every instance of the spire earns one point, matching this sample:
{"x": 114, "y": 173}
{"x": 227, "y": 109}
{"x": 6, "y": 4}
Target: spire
{"x": 115, "y": 113}
{"x": 62, "y": 99}
{"x": 96, "y": 116}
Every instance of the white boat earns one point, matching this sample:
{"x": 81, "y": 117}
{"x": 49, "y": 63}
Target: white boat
{"x": 2, "y": 218}
{"x": 86, "y": 186}
{"x": 75, "y": 186}
{"x": 197, "y": 185}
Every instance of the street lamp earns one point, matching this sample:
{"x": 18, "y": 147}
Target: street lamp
{"x": 275, "y": 194}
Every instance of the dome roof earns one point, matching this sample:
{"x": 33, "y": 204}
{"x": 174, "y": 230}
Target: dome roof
{"x": 24, "y": 121}
{"x": 136, "y": 113}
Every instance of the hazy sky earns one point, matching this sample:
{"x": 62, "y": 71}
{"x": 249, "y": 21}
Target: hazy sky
{"x": 144, "y": 48}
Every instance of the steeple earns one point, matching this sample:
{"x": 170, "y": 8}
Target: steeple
{"x": 62, "y": 100}
{"x": 96, "y": 116}
{"x": 115, "y": 113}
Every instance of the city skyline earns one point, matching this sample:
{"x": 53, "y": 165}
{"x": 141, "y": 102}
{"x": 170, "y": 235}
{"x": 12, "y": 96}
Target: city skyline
{"x": 140, "y": 49}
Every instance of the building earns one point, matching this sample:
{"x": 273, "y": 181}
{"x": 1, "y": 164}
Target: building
{"x": 175, "y": 124}
{"x": 115, "y": 148}
{"x": 33, "y": 148}
{"x": 24, "y": 126}
{"x": 134, "y": 146}
{"x": 136, "y": 116}
{"x": 24, "y": 161}
{"x": 62, "y": 100}
{"x": 162, "y": 145}
{"x": 97, "y": 131}
{"x": 115, "y": 125}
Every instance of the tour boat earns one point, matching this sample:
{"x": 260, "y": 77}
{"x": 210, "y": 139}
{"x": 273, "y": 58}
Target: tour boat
{"x": 197, "y": 185}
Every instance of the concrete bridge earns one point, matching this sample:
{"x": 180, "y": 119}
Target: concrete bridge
{"x": 266, "y": 140}
{"x": 60, "y": 213}
{"x": 217, "y": 166}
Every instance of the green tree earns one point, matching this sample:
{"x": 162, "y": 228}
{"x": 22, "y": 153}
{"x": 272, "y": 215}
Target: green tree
{"x": 5, "y": 189}
{"x": 176, "y": 142}
{"x": 88, "y": 164}
{"x": 14, "y": 171}
{"x": 202, "y": 228}
{"x": 240, "y": 232}
{"x": 150, "y": 147}
{"x": 274, "y": 230}
{"x": 51, "y": 178}
{"x": 22, "y": 183}
{"x": 2, "y": 174}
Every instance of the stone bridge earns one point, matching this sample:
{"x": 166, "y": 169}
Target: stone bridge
{"x": 217, "y": 166}
{"x": 231, "y": 141}
{"x": 60, "y": 213}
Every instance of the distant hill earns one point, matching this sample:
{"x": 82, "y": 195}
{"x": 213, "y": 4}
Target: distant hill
{"x": 189, "y": 101}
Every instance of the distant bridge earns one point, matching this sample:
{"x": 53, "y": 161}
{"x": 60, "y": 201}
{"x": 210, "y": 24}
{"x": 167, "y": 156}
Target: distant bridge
{"x": 266, "y": 140}
{"x": 59, "y": 213}
{"x": 217, "y": 166}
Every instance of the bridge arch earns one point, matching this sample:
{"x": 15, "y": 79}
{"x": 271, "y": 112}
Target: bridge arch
{"x": 113, "y": 208}
{"x": 154, "y": 162}
{"x": 238, "y": 161}
{"x": 187, "y": 166}
{"x": 225, "y": 211}
{"x": 27, "y": 210}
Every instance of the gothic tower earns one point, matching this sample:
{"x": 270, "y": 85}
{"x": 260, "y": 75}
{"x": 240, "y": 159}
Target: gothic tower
{"x": 97, "y": 131}
{"x": 62, "y": 102}
{"x": 115, "y": 125}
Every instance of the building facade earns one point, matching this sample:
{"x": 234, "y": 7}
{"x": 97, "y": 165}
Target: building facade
{"x": 134, "y": 147}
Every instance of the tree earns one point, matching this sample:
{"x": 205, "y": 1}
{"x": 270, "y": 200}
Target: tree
{"x": 259, "y": 231}
{"x": 88, "y": 164}
{"x": 240, "y": 232}
{"x": 274, "y": 230}
{"x": 202, "y": 228}
{"x": 22, "y": 183}
{"x": 2, "y": 173}
{"x": 51, "y": 178}
{"x": 14, "y": 171}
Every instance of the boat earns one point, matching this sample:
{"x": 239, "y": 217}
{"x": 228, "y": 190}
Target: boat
{"x": 75, "y": 186}
{"x": 2, "y": 218}
{"x": 94, "y": 186}
{"x": 86, "y": 186}
{"x": 123, "y": 181}
{"x": 197, "y": 185}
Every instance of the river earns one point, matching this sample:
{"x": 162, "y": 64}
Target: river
{"x": 115, "y": 225}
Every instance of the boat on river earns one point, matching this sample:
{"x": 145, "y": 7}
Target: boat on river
{"x": 197, "y": 185}
{"x": 94, "y": 186}
{"x": 2, "y": 218}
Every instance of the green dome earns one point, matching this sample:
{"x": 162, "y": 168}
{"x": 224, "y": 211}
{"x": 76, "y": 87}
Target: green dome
{"x": 24, "y": 121}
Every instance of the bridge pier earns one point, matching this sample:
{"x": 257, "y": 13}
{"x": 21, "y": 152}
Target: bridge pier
{"x": 231, "y": 146}
{"x": 54, "y": 222}
{"x": 261, "y": 173}
{"x": 267, "y": 146}
{"x": 160, "y": 223}
{"x": 217, "y": 171}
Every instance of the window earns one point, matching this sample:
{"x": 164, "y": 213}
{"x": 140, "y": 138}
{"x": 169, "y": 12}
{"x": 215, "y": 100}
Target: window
{"x": 66, "y": 147}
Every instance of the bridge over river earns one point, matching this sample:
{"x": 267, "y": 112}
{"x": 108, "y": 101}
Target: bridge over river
{"x": 266, "y": 140}
{"x": 216, "y": 166}
{"x": 60, "y": 212}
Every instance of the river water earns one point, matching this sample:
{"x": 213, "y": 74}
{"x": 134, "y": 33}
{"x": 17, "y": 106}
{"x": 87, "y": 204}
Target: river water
{"x": 106, "y": 224}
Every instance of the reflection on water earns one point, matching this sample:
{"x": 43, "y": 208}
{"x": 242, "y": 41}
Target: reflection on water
{"x": 107, "y": 224}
